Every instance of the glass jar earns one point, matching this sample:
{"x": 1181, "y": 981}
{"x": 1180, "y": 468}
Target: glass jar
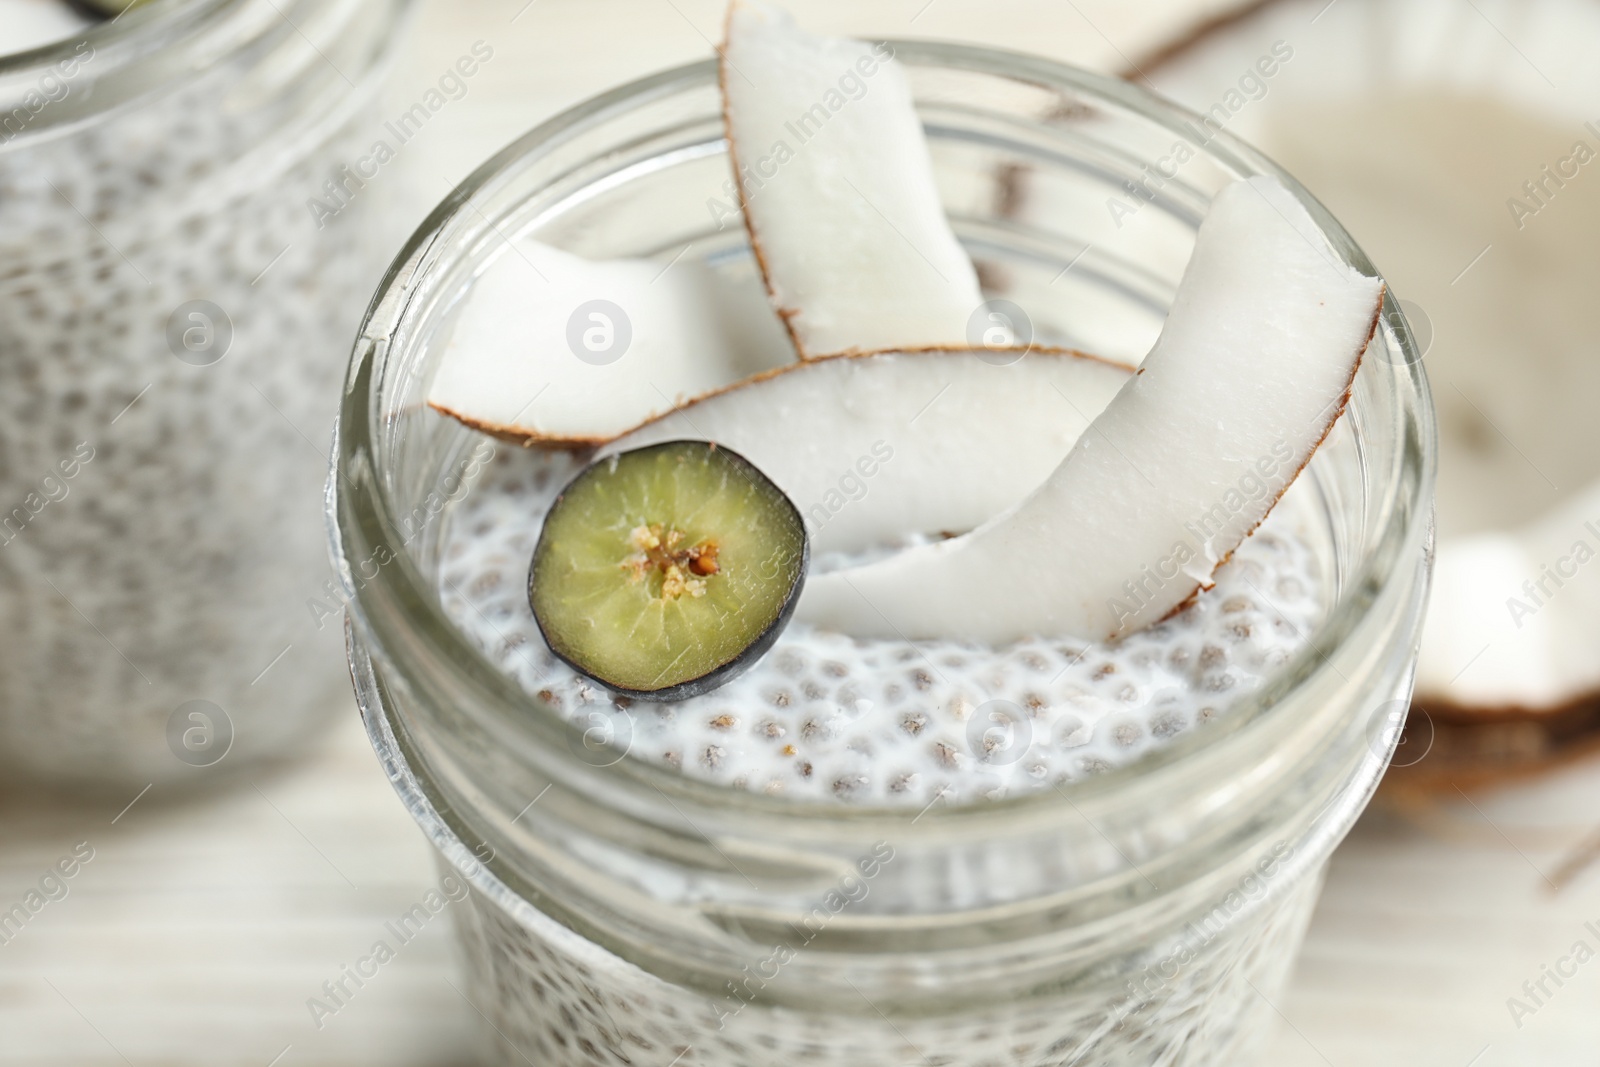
{"x": 623, "y": 913}
{"x": 184, "y": 256}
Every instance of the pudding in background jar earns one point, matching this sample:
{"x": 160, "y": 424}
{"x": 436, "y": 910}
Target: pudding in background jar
{"x": 173, "y": 315}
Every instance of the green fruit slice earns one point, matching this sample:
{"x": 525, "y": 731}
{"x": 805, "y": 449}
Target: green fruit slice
{"x": 665, "y": 571}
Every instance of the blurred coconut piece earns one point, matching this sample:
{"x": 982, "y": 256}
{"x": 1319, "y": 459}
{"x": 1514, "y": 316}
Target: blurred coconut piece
{"x": 838, "y": 190}
{"x": 1458, "y": 143}
{"x": 553, "y": 349}
{"x": 1512, "y": 616}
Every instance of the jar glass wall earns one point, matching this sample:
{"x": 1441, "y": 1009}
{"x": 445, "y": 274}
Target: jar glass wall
{"x": 184, "y": 256}
{"x": 620, "y": 910}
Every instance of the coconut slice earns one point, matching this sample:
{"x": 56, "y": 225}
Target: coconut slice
{"x": 555, "y": 349}
{"x": 1435, "y": 131}
{"x": 838, "y": 191}
{"x": 871, "y": 448}
{"x": 1252, "y": 367}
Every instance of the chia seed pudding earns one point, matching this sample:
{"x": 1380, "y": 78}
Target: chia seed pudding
{"x": 172, "y": 324}
{"x": 550, "y": 1002}
{"x": 827, "y": 716}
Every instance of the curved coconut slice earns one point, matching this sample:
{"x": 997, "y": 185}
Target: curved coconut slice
{"x": 871, "y": 448}
{"x": 1252, "y": 367}
{"x": 838, "y": 191}
{"x": 555, "y": 349}
{"x": 1447, "y": 151}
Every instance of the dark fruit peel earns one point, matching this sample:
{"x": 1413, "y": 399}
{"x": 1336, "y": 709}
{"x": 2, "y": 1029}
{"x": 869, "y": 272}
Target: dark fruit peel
{"x": 665, "y": 571}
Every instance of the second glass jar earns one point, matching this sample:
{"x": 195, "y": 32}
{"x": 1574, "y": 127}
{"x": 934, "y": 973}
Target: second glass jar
{"x": 185, "y": 251}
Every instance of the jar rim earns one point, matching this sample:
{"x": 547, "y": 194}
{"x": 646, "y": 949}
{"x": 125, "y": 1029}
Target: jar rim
{"x": 155, "y": 47}
{"x": 138, "y": 29}
{"x": 397, "y": 611}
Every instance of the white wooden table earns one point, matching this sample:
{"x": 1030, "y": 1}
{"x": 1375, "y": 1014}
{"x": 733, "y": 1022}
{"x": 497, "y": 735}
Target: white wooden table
{"x": 200, "y": 929}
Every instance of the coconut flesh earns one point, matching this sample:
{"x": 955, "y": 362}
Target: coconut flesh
{"x": 1268, "y": 326}
{"x": 534, "y": 357}
{"x": 1444, "y": 143}
{"x": 838, "y": 191}
{"x": 1074, "y": 527}
{"x": 852, "y": 242}
{"x": 854, "y": 441}
{"x": 1532, "y": 648}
